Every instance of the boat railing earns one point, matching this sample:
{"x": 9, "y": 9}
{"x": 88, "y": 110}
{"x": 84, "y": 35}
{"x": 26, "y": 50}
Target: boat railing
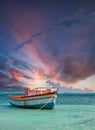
{"x": 39, "y": 91}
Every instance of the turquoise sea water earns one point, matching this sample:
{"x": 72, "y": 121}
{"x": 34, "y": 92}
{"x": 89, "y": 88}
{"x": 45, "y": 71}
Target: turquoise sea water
{"x": 72, "y": 112}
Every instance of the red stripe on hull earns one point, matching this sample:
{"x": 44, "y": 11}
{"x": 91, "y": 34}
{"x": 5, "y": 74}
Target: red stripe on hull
{"x": 29, "y": 99}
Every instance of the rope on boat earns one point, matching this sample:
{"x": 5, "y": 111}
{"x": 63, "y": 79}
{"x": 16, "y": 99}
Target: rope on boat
{"x": 45, "y": 104}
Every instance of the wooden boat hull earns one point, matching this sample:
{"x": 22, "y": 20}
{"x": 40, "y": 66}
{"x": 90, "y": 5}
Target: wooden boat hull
{"x": 39, "y": 102}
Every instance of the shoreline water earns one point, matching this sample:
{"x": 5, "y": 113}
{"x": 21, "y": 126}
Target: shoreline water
{"x": 62, "y": 117}
{"x": 71, "y": 112}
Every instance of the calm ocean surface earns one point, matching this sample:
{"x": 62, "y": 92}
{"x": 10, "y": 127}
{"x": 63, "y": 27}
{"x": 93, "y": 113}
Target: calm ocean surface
{"x": 71, "y": 112}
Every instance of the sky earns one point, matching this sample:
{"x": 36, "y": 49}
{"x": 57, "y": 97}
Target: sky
{"x": 47, "y": 41}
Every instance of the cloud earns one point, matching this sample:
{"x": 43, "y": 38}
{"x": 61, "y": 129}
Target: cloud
{"x": 6, "y": 73}
{"x": 55, "y": 45}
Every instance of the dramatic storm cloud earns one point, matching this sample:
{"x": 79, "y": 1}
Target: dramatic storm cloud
{"x": 47, "y": 41}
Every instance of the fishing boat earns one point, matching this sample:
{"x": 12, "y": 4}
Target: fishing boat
{"x": 39, "y": 98}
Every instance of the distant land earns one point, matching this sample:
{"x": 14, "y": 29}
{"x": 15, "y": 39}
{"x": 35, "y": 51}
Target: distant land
{"x": 64, "y": 89}
{"x": 61, "y": 89}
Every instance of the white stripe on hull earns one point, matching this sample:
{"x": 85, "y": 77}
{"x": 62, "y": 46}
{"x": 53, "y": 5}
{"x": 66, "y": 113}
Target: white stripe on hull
{"x": 33, "y": 100}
